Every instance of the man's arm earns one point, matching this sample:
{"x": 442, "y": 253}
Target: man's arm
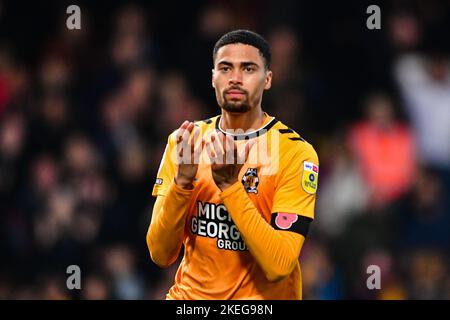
{"x": 275, "y": 251}
{"x": 174, "y": 190}
{"x": 166, "y": 231}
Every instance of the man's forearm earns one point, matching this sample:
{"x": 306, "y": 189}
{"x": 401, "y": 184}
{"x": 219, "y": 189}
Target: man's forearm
{"x": 166, "y": 231}
{"x": 276, "y": 251}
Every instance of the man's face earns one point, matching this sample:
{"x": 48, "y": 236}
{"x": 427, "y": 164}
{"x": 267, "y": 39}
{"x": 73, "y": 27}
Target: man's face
{"x": 239, "y": 77}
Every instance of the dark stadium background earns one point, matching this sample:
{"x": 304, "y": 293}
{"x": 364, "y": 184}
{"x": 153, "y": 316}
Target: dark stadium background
{"x": 84, "y": 117}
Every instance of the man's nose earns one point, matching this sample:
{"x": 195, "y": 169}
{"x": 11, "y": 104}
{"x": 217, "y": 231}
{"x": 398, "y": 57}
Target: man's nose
{"x": 235, "y": 77}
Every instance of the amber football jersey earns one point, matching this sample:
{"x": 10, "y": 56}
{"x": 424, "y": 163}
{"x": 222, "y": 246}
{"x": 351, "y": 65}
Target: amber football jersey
{"x": 280, "y": 176}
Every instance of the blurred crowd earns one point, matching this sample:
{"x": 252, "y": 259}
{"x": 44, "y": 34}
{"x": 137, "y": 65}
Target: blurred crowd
{"x": 85, "y": 115}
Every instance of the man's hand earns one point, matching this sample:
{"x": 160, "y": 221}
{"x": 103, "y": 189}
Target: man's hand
{"x": 188, "y": 155}
{"x": 226, "y": 161}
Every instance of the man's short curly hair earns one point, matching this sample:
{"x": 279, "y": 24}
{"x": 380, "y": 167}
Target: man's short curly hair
{"x": 245, "y": 37}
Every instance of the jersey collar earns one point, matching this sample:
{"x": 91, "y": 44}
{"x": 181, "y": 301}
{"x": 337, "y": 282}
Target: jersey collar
{"x": 247, "y": 135}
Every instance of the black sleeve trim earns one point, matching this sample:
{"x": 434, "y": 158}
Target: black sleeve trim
{"x": 297, "y": 139}
{"x": 288, "y": 130}
{"x": 281, "y": 222}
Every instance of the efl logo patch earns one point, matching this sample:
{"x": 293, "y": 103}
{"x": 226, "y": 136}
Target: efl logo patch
{"x": 250, "y": 180}
{"x": 310, "y": 176}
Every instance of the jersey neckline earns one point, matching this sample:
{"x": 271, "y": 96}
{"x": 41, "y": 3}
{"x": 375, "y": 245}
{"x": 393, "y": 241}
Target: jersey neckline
{"x": 247, "y": 135}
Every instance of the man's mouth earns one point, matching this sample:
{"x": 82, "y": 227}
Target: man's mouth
{"x": 234, "y": 93}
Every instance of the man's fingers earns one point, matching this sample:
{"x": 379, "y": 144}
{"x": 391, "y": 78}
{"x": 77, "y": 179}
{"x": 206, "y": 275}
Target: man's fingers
{"x": 184, "y": 142}
{"x": 248, "y": 147}
{"x": 244, "y": 151}
{"x": 230, "y": 149}
{"x": 209, "y": 152}
{"x": 185, "y": 136}
{"x": 182, "y": 138}
{"x": 218, "y": 148}
{"x": 192, "y": 140}
{"x": 179, "y": 135}
{"x": 181, "y": 130}
{"x": 190, "y": 127}
{"x": 221, "y": 148}
{"x": 179, "y": 138}
{"x": 196, "y": 146}
{"x": 184, "y": 124}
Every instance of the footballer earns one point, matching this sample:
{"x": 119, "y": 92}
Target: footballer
{"x": 237, "y": 190}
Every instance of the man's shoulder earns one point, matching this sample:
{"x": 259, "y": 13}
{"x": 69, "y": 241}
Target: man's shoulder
{"x": 292, "y": 143}
{"x": 206, "y": 123}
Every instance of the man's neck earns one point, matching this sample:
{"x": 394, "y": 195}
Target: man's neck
{"x": 252, "y": 119}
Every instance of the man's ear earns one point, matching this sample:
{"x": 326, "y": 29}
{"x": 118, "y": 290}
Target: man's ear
{"x": 212, "y": 78}
{"x": 268, "y": 80}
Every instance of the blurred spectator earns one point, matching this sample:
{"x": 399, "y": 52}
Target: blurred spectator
{"x": 126, "y": 282}
{"x": 405, "y": 31}
{"x": 424, "y": 82}
{"x": 130, "y": 42}
{"x": 12, "y": 136}
{"x": 384, "y": 151}
{"x": 424, "y": 219}
{"x": 321, "y": 277}
{"x": 177, "y": 103}
{"x": 95, "y": 287}
{"x": 285, "y": 98}
{"x": 5, "y": 74}
{"x": 14, "y": 82}
{"x": 213, "y": 19}
{"x": 427, "y": 274}
{"x": 53, "y": 288}
{"x": 163, "y": 283}
{"x": 55, "y": 74}
{"x": 342, "y": 193}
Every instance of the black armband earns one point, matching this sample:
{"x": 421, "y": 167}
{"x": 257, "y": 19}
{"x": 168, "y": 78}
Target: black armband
{"x": 290, "y": 222}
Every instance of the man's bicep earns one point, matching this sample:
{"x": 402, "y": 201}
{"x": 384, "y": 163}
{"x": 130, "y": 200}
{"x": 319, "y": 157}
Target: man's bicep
{"x": 296, "y": 188}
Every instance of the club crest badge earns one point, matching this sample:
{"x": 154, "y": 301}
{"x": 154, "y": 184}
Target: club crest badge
{"x": 309, "y": 177}
{"x": 250, "y": 180}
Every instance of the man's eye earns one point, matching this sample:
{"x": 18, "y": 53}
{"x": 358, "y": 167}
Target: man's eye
{"x": 224, "y": 69}
{"x": 249, "y": 69}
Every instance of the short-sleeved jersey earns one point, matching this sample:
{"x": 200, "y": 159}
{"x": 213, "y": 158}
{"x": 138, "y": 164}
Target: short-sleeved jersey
{"x": 280, "y": 176}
